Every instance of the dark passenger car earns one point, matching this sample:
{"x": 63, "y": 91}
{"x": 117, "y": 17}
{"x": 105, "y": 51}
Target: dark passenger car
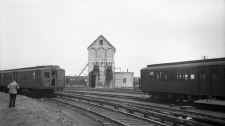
{"x": 40, "y": 78}
{"x": 188, "y": 79}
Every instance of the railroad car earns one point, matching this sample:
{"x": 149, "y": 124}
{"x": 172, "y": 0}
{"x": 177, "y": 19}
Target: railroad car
{"x": 41, "y": 78}
{"x": 185, "y": 80}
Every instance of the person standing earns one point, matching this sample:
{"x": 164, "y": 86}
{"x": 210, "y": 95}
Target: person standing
{"x": 13, "y": 87}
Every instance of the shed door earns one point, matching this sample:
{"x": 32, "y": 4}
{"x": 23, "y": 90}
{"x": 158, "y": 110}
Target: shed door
{"x": 92, "y": 79}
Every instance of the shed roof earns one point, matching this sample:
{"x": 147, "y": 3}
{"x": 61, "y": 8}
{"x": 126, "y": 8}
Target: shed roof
{"x": 102, "y": 37}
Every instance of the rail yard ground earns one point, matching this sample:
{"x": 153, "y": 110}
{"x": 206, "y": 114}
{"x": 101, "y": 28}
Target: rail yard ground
{"x": 95, "y": 107}
{"x": 33, "y": 112}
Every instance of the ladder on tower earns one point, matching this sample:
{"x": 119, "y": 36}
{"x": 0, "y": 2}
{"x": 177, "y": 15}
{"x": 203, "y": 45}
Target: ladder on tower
{"x": 83, "y": 70}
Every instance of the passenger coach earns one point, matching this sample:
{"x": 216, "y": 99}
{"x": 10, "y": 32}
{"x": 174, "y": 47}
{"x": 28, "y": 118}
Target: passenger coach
{"x": 40, "y": 78}
{"x": 189, "y": 79}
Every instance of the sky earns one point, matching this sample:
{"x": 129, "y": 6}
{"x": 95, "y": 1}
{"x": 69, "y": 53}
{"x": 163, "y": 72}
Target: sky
{"x": 45, "y": 32}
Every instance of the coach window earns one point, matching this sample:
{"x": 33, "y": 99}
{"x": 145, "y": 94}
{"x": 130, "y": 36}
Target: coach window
{"x": 34, "y": 74}
{"x": 7, "y": 77}
{"x": 22, "y": 76}
{"x": 183, "y": 76}
{"x": 151, "y": 74}
{"x": 165, "y": 75}
{"x": 157, "y": 76}
{"x": 46, "y": 74}
{"x": 160, "y": 75}
{"x": 224, "y": 73}
{"x": 186, "y": 76}
{"x": 180, "y": 76}
{"x": 192, "y": 76}
{"x": 54, "y": 74}
{"x": 202, "y": 76}
{"x": 37, "y": 75}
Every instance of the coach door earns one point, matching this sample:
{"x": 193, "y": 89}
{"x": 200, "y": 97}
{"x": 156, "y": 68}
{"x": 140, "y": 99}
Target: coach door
{"x": 203, "y": 81}
{"x": 216, "y": 82}
{"x": 14, "y": 76}
{"x": 54, "y": 77}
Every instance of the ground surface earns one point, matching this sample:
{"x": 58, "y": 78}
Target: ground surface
{"x": 32, "y": 112}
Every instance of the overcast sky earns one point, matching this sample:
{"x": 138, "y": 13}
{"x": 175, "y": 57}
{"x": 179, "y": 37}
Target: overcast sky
{"x": 42, "y": 32}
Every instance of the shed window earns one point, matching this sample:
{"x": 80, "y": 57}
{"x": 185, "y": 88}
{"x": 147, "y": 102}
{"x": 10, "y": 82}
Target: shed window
{"x": 101, "y": 42}
{"x": 124, "y": 80}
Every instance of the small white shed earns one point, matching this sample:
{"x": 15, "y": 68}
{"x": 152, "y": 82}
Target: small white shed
{"x": 124, "y": 79}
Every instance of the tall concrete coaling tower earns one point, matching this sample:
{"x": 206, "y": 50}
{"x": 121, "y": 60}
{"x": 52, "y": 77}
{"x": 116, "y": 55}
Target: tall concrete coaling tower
{"x": 101, "y": 66}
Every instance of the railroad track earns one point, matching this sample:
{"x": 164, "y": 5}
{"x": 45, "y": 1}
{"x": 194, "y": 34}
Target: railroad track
{"x": 135, "y": 95}
{"x": 207, "y": 118}
{"x": 106, "y": 90}
{"x": 159, "y": 116}
{"x": 115, "y": 116}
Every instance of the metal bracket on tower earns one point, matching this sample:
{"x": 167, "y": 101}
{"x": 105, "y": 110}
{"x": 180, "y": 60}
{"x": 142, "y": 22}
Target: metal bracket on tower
{"x": 83, "y": 70}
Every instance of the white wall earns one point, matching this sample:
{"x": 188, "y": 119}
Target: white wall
{"x": 124, "y": 79}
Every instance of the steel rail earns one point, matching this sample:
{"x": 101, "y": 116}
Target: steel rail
{"x": 176, "y": 112}
{"x": 122, "y": 118}
{"x": 146, "y": 113}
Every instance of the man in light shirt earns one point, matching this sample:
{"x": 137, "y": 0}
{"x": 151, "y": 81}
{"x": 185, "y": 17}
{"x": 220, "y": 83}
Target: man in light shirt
{"x": 13, "y": 87}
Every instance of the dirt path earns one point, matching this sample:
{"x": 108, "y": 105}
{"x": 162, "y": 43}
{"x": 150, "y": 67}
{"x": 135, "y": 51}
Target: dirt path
{"x": 32, "y": 112}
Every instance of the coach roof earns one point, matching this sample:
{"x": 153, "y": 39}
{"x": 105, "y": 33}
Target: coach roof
{"x": 32, "y": 68}
{"x": 193, "y": 63}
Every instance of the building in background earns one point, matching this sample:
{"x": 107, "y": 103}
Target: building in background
{"x": 124, "y": 80}
{"x": 137, "y": 83}
{"x": 101, "y": 64}
{"x": 76, "y": 81}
